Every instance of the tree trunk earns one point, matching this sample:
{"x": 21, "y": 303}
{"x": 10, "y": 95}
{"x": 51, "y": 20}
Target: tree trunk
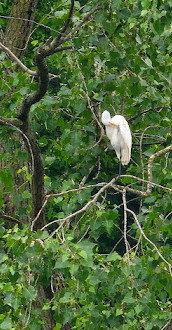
{"x": 18, "y": 30}
{"x": 15, "y": 38}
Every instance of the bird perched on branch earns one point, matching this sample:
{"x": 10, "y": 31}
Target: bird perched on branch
{"x": 118, "y": 132}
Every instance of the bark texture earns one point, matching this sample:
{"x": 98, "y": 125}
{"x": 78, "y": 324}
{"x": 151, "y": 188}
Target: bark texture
{"x": 19, "y": 26}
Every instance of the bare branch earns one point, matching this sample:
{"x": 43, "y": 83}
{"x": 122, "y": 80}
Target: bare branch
{"x": 14, "y": 122}
{"x": 63, "y": 30}
{"x": 144, "y": 194}
{"x": 157, "y": 109}
{"x": 28, "y": 20}
{"x": 9, "y": 218}
{"x": 150, "y": 164}
{"x": 85, "y": 207}
{"x": 50, "y": 48}
{"x": 47, "y": 197}
{"x": 119, "y": 188}
{"x": 125, "y": 224}
{"x": 24, "y": 67}
{"x": 141, "y": 154}
{"x": 61, "y": 49}
{"x": 16, "y": 59}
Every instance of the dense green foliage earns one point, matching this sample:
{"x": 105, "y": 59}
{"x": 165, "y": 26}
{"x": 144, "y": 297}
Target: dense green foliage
{"x": 120, "y": 61}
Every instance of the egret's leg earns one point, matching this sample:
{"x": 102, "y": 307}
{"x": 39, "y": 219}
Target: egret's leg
{"x": 120, "y": 163}
{"x": 119, "y": 168}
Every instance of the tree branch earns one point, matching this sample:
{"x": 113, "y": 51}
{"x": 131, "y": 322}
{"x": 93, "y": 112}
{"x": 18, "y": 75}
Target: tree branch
{"x": 150, "y": 164}
{"x": 42, "y": 86}
{"x": 50, "y": 47}
{"x": 14, "y": 122}
{"x": 24, "y": 67}
{"x": 138, "y": 192}
{"x": 85, "y": 207}
{"x": 9, "y": 218}
{"x": 47, "y": 197}
{"x": 85, "y": 19}
{"x": 157, "y": 109}
{"x": 149, "y": 241}
{"x": 63, "y": 30}
{"x": 125, "y": 224}
{"x": 16, "y": 59}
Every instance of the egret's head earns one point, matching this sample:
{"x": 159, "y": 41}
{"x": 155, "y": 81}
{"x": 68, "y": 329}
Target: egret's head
{"x": 106, "y": 117}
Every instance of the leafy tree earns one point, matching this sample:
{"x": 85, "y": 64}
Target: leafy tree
{"x": 83, "y": 247}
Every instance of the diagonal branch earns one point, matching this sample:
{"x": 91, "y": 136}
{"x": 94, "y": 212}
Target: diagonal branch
{"x": 9, "y": 217}
{"x": 150, "y": 164}
{"x": 16, "y": 59}
{"x": 63, "y": 30}
{"x": 21, "y": 64}
{"x": 84, "y": 20}
{"x": 85, "y": 207}
{"x": 125, "y": 225}
{"x": 50, "y": 48}
{"x": 157, "y": 109}
{"x": 14, "y": 122}
{"x": 149, "y": 241}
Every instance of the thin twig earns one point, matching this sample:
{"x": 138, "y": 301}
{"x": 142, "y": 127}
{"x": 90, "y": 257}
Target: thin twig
{"x": 89, "y": 103}
{"x": 157, "y": 109}
{"x": 125, "y": 224}
{"x": 150, "y": 164}
{"x": 149, "y": 241}
{"x": 166, "y": 325}
{"x": 63, "y": 30}
{"x": 9, "y": 217}
{"x": 141, "y": 153}
{"x": 47, "y": 197}
{"x": 85, "y": 207}
{"x": 146, "y": 181}
{"x": 8, "y": 122}
{"x": 28, "y": 20}
{"x": 84, "y": 234}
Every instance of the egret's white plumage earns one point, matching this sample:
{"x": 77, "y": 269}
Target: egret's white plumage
{"x": 118, "y": 132}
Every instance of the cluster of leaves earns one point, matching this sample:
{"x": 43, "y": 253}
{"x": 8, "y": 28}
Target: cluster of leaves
{"x": 86, "y": 288}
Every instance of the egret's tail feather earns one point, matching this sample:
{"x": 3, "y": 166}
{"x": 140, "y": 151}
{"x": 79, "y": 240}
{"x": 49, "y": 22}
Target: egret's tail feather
{"x": 125, "y": 157}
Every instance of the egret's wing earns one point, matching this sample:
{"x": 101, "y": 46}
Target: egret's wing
{"x": 127, "y": 142}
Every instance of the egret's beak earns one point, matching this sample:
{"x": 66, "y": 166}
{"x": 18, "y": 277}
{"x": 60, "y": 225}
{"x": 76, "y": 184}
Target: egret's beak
{"x": 112, "y": 124}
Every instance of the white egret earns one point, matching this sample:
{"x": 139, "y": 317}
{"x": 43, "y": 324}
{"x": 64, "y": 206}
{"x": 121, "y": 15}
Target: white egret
{"x": 118, "y": 132}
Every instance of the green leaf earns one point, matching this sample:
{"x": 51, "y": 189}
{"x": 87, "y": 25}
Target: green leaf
{"x": 46, "y": 306}
{"x": 138, "y": 39}
{"x": 58, "y": 199}
{"x": 8, "y": 287}
{"x": 113, "y": 257}
{"x": 29, "y": 293}
{"x": 57, "y": 326}
{"x": 148, "y": 62}
{"x": 26, "y": 194}
{"x": 83, "y": 254}
{"x": 119, "y": 312}
{"x": 50, "y": 160}
{"x": 66, "y": 298}
{"x": 6, "y": 324}
{"x": 138, "y": 309}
